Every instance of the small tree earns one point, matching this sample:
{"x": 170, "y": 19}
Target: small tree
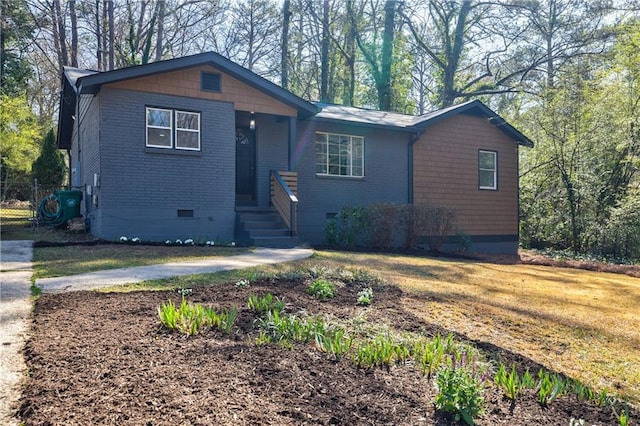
{"x": 49, "y": 168}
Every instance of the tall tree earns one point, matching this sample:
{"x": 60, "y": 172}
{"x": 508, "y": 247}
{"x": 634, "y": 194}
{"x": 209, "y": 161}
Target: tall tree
{"x": 49, "y": 168}
{"x": 19, "y": 134}
{"x": 15, "y": 31}
{"x": 377, "y": 48}
{"x": 284, "y": 44}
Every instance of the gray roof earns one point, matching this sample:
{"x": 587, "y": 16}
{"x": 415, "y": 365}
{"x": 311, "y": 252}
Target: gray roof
{"x": 364, "y": 116}
{"x": 73, "y": 74}
{"x": 418, "y": 124}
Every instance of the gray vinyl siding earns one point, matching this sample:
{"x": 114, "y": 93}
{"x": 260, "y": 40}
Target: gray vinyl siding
{"x": 271, "y": 153}
{"x": 142, "y": 189}
{"x": 385, "y": 180}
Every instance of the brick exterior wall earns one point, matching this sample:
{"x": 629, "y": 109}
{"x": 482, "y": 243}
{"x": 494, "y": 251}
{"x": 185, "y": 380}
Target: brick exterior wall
{"x": 385, "y": 180}
{"x": 142, "y": 189}
{"x": 445, "y": 163}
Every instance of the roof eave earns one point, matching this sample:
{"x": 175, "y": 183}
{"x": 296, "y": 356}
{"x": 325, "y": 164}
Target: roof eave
{"x": 477, "y": 107}
{"x": 67, "y": 107}
{"x": 328, "y": 120}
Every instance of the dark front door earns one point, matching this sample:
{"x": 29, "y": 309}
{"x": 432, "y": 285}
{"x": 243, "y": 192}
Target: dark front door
{"x": 245, "y": 166}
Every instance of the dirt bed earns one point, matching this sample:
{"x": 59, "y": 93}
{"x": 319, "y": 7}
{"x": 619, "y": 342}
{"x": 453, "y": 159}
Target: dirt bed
{"x": 104, "y": 358}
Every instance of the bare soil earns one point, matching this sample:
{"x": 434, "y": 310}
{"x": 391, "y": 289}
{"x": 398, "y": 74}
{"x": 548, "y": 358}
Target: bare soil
{"x": 104, "y": 358}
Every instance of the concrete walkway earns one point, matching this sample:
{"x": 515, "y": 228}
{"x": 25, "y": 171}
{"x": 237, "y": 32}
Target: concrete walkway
{"x": 15, "y": 307}
{"x": 15, "y": 304}
{"x": 114, "y": 277}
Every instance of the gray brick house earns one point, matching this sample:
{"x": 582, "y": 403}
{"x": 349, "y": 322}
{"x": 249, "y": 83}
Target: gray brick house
{"x": 200, "y": 147}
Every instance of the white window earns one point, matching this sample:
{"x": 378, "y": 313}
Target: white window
{"x": 488, "y": 170}
{"x": 161, "y": 132}
{"x": 339, "y": 155}
{"x": 159, "y": 128}
{"x": 188, "y": 130}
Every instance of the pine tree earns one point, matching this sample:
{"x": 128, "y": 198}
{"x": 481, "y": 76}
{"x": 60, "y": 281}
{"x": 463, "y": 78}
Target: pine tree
{"x": 49, "y": 168}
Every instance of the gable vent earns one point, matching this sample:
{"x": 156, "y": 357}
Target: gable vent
{"x": 210, "y": 82}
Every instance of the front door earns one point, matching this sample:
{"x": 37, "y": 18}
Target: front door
{"x": 245, "y": 166}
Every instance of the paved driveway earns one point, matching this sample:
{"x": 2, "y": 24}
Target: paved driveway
{"x": 15, "y": 307}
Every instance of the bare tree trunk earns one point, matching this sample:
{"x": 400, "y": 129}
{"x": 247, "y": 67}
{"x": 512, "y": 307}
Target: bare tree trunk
{"x": 350, "y": 58}
{"x": 147, "y": 43}
{"x": 454, "y": 55}
{"x": 60, "y": 36}
{"x": 384, "y": 85}
{"x": 324, "y": 55}
{"x": 74, "y": 33}
{"x": 551, "y": 25}
{"x": 98, "y": 36}
{"x": 159, "y": 38}
{"x": 111, "y": 35}
{"x": 284, "y": 44}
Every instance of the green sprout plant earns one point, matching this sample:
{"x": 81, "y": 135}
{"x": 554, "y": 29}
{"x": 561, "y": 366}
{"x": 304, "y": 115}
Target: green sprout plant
{"x": 459, "y": 392}
{"x": 509, "y": 382}
{"x": 228, "y": 319}
{"x": 382, "y": 351}
{"x": 322, "y": 289}
{"x": 262, "y": 304}
{"x": 190, "y": 318}
{"x": 334, "y": 341}
{"x": 550, "y": 386}
{"x": 365, "y": 296}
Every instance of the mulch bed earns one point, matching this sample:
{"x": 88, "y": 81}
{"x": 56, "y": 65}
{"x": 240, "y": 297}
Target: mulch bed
{"x": 104, "y": 358}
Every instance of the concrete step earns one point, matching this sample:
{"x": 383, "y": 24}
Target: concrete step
{"x": 268, "y": 232}
{"x": 261, "y": 224}
{"x": 258, "y": 216}
{"x": 275, "y": 242}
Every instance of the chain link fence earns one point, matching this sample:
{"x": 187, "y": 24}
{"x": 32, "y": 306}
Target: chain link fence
{"x": 20, "y": 201}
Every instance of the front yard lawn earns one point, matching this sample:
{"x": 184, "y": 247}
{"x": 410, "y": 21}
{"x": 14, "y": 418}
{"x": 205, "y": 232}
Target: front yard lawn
{"x": 109, "y": 353}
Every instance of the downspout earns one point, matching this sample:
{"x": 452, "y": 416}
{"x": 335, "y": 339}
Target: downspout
{"x": 413, "y": 138}
{"x": 78, "y": 98}
{"x": 518, "y": 193}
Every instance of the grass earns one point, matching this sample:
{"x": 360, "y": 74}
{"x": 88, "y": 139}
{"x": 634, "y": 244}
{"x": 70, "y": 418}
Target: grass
{"x": 580, "y": 323}
{"x": 21, "y": 230}
{"x": 72, "y": 260}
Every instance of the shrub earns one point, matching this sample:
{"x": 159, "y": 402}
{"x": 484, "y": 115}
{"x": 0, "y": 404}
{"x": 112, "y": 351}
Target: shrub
{"x": 431, "y": 222}
{"x": 349, "y": 228}
{"x": 385, "y": 225}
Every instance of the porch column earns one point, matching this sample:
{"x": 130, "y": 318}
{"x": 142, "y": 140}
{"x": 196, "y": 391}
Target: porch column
{"x": 293, "y": 137}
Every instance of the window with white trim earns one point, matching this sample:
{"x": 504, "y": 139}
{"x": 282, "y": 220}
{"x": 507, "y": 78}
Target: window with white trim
{"x": 488, "y": 170}
{"x": 162, "y": 133}
{"x": 159, "y": 128}
{"x": 339, "y": 155}
{"x": 188, "y": 130}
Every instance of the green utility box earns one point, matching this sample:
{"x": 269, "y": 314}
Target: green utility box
{"x": 70, "y": 202}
